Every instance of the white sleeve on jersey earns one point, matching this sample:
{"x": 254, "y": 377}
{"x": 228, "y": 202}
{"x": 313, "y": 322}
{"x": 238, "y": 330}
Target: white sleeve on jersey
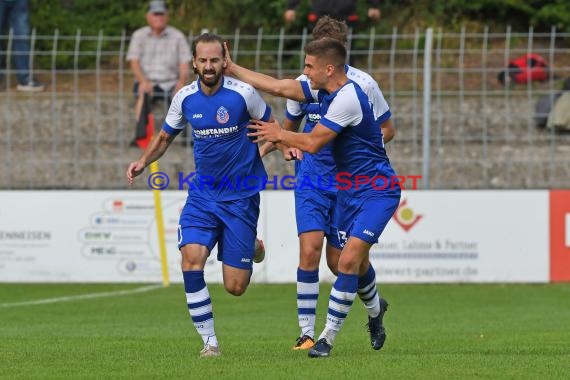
{"x": 379, "y": 104}
{"x": 174, "y": 118}
{"x": 345, "y": 109}
{"x": 256, "y": 106}
{"x": 294, "y": 108}
{"x": 370, "y": 87}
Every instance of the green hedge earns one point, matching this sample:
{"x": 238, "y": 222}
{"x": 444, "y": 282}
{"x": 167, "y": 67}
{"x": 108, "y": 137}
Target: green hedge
{"x": 92, "y": 16}
{"x": 111, "y": 17}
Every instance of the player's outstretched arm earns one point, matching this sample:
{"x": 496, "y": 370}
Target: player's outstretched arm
{"x": 153, "y": 152}
{"x": 268, "y": 146}
{"x": 307, "y": 142}
{"x": 285, "y": 88}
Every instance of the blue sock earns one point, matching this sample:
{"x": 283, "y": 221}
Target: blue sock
{"x": 200, "y": 305}
{"x": 368, "y": 292}
{"x": 340, "y": 302}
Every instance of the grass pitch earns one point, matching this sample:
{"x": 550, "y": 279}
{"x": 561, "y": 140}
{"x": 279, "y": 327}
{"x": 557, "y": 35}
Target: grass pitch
{"x": 434, "y": 332}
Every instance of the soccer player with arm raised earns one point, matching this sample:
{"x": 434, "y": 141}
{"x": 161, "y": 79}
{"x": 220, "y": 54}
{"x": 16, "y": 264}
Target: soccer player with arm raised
{"x": 315, "y": 204}
{"x": 349, "y": 118}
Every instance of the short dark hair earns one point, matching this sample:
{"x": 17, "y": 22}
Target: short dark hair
{"x": 327, "y": 26}
{"x": 207, "y": 37}
{"x": 330, "y": 49}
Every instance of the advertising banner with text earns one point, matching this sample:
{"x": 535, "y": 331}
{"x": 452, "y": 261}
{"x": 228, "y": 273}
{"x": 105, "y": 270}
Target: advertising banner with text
{"x": 434, "y": 236}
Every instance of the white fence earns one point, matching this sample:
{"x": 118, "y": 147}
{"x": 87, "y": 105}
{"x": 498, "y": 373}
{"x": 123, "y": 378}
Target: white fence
{"x": 481, "y": 135}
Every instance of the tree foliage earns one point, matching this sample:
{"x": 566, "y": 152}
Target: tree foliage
{"x": 112, "y": 18}
{"x": 191, "y": 16}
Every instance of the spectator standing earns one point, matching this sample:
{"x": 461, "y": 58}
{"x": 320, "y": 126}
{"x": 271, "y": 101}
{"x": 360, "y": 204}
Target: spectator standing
{"x": 14, "y": 15}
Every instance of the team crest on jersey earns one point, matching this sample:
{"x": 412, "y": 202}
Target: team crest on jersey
{"x": 222, "y": 115}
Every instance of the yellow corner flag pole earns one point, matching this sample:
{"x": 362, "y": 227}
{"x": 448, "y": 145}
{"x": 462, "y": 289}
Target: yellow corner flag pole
{"x": 160, "y": 229}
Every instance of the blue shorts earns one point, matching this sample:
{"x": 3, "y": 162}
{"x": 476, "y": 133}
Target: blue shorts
{"x": 364, "y": 218}
{"x": 230, "y": 224}
{"x": 314, "y": 211}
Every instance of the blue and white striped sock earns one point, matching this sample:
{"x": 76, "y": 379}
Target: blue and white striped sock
{"x": 340, "y": 301}
{"x": 368, "y": 292}
{"x": 307, "y": 296}
{"x": 200, "y": 305}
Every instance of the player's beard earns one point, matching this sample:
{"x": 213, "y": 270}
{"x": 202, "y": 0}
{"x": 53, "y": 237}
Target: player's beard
{"x": 210, "y": 82}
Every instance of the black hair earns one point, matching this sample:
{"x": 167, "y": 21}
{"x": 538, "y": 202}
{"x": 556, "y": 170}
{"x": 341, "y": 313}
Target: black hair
{"x": 207, "y": 37}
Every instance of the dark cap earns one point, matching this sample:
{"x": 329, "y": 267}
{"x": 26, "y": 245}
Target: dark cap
{"x": 157, "y": 6}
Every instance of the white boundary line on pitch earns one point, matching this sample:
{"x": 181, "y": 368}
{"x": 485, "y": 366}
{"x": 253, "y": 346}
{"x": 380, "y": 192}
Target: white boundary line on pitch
{"x": 81, "y": 297}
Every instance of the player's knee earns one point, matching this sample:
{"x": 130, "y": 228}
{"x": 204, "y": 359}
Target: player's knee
{"x": 348, "y": 264}
{"x": 193, "y": 257}
{"x": 235, "y": 288}
{"x": 188, "y": 265}
{"x": 310, "y": 258}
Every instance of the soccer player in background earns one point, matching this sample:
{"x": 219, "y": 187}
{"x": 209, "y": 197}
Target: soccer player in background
{"x": 362, "y": 212}
{"x": 219, "y": 209}
{"x": 314, "y": 207}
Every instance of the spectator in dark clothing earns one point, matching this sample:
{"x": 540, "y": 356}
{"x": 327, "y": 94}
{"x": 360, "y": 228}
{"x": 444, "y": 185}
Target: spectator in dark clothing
{"x": 343, "y": 10}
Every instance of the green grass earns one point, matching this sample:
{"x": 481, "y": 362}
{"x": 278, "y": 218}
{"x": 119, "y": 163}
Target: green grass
{"x": 434, "y": 331}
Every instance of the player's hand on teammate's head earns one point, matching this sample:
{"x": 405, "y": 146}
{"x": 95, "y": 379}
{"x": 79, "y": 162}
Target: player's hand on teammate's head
{"x": 265, "y": 131}
{"x": 228, "y": 59}
{"x": 135, "y": 168}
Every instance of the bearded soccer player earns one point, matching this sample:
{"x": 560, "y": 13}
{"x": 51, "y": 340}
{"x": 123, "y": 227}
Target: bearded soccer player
{"x": 219, "y": 209}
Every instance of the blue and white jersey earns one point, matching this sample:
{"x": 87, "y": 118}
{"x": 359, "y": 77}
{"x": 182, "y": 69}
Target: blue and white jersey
{"x": 322, "y": 164}
{"x": 358, "y": 150}
{"x": 228, "y": 165}
{"x": 318, "y": 167}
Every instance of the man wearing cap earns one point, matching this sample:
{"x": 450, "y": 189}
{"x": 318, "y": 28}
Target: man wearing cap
{"x": 159, "y": 57}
